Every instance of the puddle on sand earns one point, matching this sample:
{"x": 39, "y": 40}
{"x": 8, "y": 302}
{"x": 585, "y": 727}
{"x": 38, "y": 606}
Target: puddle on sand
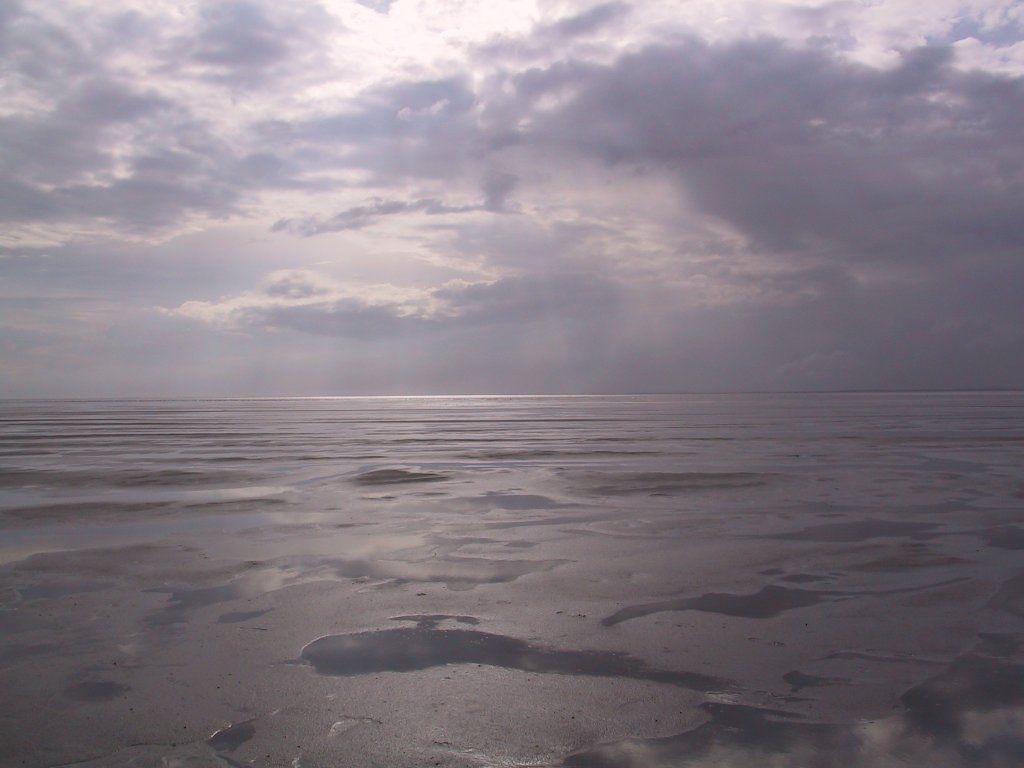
{"x": 183, "y": 602}
{"x": 457, "y": 573}
{"x": 23, "y": 503}
{"x": 799, "y": 680}
{"x": 967, "y": 716}
{"x": 766, "y": 603}
{"x": 397, "y": 476}
{"x": 626, "y": 483}
{"x": 423, "y": 647}
{"x": 517, "y": 501}
{"x": 52, "y": 539}
{"x": 431, "y": 620}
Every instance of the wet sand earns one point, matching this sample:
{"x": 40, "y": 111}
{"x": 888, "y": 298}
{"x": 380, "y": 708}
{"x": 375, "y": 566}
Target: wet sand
{"x": 625, "y": 582}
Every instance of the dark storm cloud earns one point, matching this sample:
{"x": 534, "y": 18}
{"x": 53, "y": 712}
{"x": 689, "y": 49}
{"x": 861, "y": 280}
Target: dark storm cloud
{"x": 802, "y": 151}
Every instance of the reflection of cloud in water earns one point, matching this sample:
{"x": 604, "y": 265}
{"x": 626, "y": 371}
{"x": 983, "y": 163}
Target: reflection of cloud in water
{"x": 766, "y": 603}
{"x": 514, "y": 501}
{"x": 968, "y": 716}
{"x": 397, "y": 476}
{"x": 457, "y": 573}
{"x": 23, "y": 501}
{"x": 454, "y": 572}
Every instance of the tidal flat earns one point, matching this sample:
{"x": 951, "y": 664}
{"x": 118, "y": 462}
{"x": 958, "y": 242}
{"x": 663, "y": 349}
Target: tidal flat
{"x": 832, "y": 580}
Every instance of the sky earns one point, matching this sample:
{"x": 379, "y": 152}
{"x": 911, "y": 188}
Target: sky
{"x": 528, "y": 196}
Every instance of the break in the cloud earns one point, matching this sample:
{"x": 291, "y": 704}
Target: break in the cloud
{"x": 255, "y": 197}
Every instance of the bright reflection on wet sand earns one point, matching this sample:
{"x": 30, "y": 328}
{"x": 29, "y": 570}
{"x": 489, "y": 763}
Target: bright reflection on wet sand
{"x": 623, "y": 582}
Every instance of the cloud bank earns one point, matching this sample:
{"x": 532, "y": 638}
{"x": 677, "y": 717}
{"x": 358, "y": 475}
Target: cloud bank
{"x": 250, "y": 198}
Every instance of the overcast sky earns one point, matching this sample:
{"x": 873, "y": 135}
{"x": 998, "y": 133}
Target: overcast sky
{"x": 435, "y": 196}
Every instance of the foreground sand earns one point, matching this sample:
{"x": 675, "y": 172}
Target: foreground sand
{"x": 730, "y": 581}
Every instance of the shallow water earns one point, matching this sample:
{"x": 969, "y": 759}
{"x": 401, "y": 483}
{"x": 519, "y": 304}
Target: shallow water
{"x": 792, "y": 580}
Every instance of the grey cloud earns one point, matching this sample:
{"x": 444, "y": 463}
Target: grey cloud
{"x": 102, "y": 146}
{"x": 191, "y": 172}
{"x": 244, "y": 43}
{"x": 998, "y": 30}
{"x": 533, "y": 298}
{"x": 346, "y": 318}
{"x": 518, "y": 300}
{"x": 239, "y": 34}
{"x": 523, "y": 244}
{"x": 380, "y": 6}
{"x": 388, "y": 113}
{"x": 361, "y": 216}
{"x": 798, "y": 149}
{"x": 838, "y": 225}
{"x": 72, "y": 138}
{"x": 554, "y": 36}
{"x": 585, "y": 22}
{"x": 589, "y": 333}
{"x": 295, "y": 286}
{"x": 37, "y": 52}
{"x": 497, "y": 187}
{"x": 802, "y": 151}
{"x": 419, "y": 129}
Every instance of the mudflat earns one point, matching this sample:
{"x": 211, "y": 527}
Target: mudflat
{"x": 624, "y": 582}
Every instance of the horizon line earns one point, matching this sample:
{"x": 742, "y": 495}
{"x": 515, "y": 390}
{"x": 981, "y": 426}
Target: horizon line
{"x": 855, "y": 391}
